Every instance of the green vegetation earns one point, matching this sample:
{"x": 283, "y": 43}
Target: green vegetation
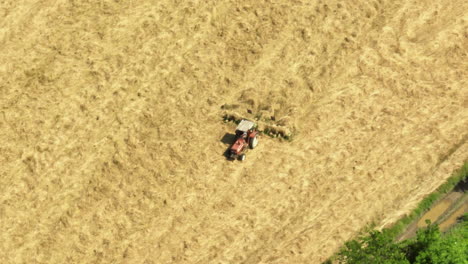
{"x": 429, "y": 246}
{"x": 376, "y": 247}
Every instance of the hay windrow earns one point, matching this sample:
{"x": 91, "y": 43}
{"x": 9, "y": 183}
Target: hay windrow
{"x": 265, "y": 127}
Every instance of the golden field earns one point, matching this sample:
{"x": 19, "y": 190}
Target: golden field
{"x": 111, "y": 127}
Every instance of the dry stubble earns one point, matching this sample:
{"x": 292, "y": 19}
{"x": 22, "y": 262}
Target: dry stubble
{"x": 110, "y": 125}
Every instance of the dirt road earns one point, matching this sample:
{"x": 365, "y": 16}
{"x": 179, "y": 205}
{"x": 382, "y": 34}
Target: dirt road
{"x": 445, "y": 212}
{"x": 110, "y": 125}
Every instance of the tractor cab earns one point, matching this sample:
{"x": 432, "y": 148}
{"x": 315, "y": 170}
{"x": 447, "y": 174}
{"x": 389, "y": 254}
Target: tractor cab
{"x": 244, "y": 127}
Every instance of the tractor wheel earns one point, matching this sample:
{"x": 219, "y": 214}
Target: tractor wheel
{"x": 242, "y": 157}
{"x": 253, "y": 142}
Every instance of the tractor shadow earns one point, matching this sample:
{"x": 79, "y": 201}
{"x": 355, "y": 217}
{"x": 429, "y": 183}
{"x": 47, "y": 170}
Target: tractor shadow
{"x": 227, "y": 140}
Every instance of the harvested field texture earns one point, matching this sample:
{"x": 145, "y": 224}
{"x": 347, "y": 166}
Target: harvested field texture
{"x": 111, "y": 125}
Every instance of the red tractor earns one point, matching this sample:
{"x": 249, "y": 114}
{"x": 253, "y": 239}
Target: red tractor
{"x": 246, "y": 136}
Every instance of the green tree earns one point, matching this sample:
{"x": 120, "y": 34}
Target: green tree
{"x": 377, "y": 247}
{"x": 424, "y": 239}
{"x": 429, "y": 247}
{"x": 432, "y": 248}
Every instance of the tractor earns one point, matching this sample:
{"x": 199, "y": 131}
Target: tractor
{"x": 246, "y": 137}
